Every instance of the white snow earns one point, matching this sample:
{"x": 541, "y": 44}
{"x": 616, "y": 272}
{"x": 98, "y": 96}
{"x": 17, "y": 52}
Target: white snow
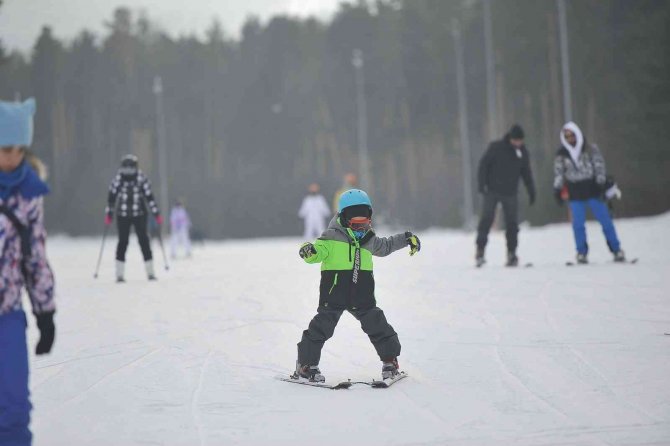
{"x": 537, "y": 356}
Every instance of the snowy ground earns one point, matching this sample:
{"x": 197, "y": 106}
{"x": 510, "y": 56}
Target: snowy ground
{"x": 538, "y": 356}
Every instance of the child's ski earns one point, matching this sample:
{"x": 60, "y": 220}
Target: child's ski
{"x": 323, "y": 385}
{"x": 382, "y": 384}
{"x": 386, "y": 383}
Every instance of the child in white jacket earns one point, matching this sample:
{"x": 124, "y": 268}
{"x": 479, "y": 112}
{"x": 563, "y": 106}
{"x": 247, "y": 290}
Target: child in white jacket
{"x": 314, "y": 211}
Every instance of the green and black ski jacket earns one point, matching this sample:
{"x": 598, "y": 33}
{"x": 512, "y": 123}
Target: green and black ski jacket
{"x": 347, "y": 280}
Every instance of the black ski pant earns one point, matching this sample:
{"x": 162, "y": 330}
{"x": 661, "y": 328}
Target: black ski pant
{"x": 510, "y": 205}
{"x": 123, "y": 225}
{"x": 322, "y": 326}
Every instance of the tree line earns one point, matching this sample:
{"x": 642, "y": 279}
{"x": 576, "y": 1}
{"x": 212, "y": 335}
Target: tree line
{"x": 250, "y": 121}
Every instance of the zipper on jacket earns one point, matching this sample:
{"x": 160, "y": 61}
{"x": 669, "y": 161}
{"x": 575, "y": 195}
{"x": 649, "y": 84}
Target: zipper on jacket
{"x": 334, "y": 284}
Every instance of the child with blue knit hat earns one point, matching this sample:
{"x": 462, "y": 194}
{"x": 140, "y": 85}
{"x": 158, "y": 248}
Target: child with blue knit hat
{"x": 23, "y": 264}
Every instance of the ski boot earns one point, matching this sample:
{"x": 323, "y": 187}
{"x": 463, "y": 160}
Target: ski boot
{"x": 390, "y": 368}
{"x": 619, "y": 257}
{"x": 120, "y": 269}
{"x": 149, "y": 268}
{"x": 512, "y": 259}
{"x": 582, "y": 259}
{"x": 308, "y": 372}
{"x": 479, "y": 257}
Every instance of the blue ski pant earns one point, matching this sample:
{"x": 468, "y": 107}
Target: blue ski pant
{"x": 14, "y": 395}
{"x": 601, "y": 213}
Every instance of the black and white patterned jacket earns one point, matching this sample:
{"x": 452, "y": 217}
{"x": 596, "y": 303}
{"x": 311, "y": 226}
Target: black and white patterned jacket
{"x": 134, "y": 195}
{"x": 584, "y": 177}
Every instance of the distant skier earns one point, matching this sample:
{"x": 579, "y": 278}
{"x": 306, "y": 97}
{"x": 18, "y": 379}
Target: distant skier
{"x": 350, "y": 181}
{"x": 132, "y": 189}
{"x": 180, "y": 225}
{"x": 345, "y": 252}
{"x": 500, "y": 168}
{"x": 581, "y": 168}
{"x": 23, "y": 264}
{"x": 314, "y": 212}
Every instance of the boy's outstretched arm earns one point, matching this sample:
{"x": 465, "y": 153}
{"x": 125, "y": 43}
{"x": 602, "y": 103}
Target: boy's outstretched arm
{"x": 383, "y": 246}
{"x": 313, "y": 252}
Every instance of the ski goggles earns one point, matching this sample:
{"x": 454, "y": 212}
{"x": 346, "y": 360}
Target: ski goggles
{"x": 360, "y": 224}
{"x": 128, "y": 170}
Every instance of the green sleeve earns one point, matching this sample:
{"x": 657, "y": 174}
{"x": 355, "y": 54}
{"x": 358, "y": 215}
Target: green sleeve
{"x": 322, "y": 252}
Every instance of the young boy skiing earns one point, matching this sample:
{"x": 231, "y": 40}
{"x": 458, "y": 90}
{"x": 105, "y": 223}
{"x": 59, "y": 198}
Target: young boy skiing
{"x": 23, "y": 264}
{"x": 345, "y": 252}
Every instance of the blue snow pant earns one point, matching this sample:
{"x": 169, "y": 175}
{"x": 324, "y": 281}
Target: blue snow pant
{"x": 14, "y": 403}
{"x": 600, "y": 211}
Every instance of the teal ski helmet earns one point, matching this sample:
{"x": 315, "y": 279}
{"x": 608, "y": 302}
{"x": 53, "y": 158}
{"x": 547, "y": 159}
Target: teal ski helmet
{"x": 353, "y": 197}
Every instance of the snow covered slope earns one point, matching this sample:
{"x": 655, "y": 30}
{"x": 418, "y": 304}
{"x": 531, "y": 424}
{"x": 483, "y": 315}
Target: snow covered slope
{"x": 536, "y": 356}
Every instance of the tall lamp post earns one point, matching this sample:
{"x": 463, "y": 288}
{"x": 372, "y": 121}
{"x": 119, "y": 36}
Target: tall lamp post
{"x": 361, "y": 109}
{"x": 565, "y": 60}
{"x": 162, "y": 151}
{"x": 490, "y": 71}
{"x": 468, "y": 208}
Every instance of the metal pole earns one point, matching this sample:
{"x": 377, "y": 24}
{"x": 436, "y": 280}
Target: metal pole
{"x": 490, "y": 71}
{"x": 102, "y": 247}
{"x": 162, "y": 151}
{"x": 565, "y": 60}
{"x": 361, "y": 108}
{"x": 468, "y": 208}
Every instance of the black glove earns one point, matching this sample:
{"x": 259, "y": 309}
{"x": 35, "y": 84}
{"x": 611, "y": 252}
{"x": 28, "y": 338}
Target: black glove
{"x": 531, "y": 198}
{"x": 45, "y": 323}
{"x": 558, "y": 197}
{"x": 307, "y": 250}
{"x": 413, "y": 242}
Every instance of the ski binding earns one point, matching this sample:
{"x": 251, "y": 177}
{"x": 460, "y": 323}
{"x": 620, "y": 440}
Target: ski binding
{"x": 306, "y": 382}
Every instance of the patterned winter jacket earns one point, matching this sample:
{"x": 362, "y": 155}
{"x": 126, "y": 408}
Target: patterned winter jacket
{"x": 134, "y": 195}
{"x": 347, "y": 280}
{"x": 38, "y": 279}
{"x": 585, "y": 179}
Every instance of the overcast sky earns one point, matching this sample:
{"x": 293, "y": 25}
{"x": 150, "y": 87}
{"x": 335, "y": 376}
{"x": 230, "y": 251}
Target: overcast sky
{"x": 22, "y": 20}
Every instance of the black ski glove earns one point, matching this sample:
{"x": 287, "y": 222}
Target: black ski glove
{"x": 307, "y": 250}
{"x": 45, "y": 323}
{"x": 557, "y": 196}
{"x": 413, "y": 242}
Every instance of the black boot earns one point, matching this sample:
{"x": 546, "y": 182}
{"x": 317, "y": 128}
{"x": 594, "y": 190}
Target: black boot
{"x": 512, "y": 259}
{"x": 479, "y": 257}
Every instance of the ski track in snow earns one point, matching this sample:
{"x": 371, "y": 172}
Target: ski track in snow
{"x": 194, "y": 399}
{"x": 537, "y": 356}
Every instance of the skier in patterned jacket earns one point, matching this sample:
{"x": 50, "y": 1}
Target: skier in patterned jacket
{"x": 580, "y": 167}
{"x": 130, "y": 193}
{"x": 345, "y": 252}
{"x": 23, "y": 264}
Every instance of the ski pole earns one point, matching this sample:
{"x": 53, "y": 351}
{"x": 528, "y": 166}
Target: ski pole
{"x": 160, "y": 242}
{"x": 102, "y": 247}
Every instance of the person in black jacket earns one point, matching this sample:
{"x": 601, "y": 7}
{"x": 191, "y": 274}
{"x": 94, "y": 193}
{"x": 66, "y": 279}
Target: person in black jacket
{"x": 130, "y": 193}
{"x": 499, "y": 171}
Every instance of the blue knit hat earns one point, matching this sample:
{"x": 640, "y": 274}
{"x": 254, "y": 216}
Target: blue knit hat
{"x": 16, "y": 123}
